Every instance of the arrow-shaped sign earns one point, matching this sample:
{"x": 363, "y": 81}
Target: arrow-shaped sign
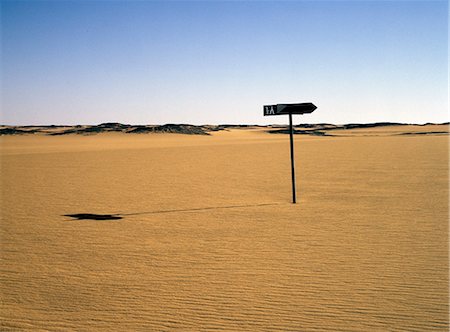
{"x": 280, "y": 109}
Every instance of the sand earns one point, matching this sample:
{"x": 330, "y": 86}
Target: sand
{"x": 208, "y": 239}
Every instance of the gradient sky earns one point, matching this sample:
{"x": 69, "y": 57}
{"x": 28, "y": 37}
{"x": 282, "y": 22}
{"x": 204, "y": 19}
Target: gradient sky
{"x": 155, "y": 62}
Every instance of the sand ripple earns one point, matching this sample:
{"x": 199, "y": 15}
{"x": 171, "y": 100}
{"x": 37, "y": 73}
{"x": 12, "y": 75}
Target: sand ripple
{"x": 366, "y": 248}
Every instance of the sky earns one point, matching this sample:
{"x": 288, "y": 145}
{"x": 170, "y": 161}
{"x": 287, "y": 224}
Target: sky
{"x": 219, "y": 62}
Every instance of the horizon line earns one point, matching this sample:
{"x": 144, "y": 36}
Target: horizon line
{"x": 223, "y": 124}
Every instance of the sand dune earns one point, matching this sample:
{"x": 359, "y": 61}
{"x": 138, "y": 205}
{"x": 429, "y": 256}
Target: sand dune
{"x": 207, "y": 238}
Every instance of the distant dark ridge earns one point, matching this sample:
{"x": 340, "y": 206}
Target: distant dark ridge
{"x": 186, "y": 129}
{"x": 111, "y": 127}
{"x": 426, "y": 133}
{"x": 238, "y": 126}
{"x": 316, "y": 125}
{"x": 171, "y": 128}
{"x": 210, "y": 128}
{"x": 65, "y": 132}
{"x": 319, "y": 128}
{"x": 114, "y": 125}
{"x": 300, "y": 132}
{"x": 88, "y": 130}
{"x": 103, "y": 127}
{"x": 14, "y": 131}
{"x": 46, "y": 126}
{"x": 370, "y": 125}
{"x": 139, "y": 129}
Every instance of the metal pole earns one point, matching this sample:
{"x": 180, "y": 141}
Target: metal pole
{"x": 291, "y": 134}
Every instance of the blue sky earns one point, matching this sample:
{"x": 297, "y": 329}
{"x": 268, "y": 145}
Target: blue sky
{"x": 155, "y": 62}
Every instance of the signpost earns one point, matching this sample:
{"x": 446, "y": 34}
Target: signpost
{"x": 290, "y": 109}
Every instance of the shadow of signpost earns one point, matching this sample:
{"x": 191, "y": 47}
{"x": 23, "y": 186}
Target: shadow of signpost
{"x": 92, "y": 216}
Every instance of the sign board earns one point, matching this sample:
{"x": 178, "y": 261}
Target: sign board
{"x": 270, "y": 110}
{"x": 280, "y": 109}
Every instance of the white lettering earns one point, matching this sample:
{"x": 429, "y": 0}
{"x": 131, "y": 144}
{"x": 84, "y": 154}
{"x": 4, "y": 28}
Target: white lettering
{"x": 269, "y": 110}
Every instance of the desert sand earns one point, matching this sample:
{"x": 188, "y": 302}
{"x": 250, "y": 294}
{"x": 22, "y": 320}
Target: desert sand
{"x": 208, "y": 239}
